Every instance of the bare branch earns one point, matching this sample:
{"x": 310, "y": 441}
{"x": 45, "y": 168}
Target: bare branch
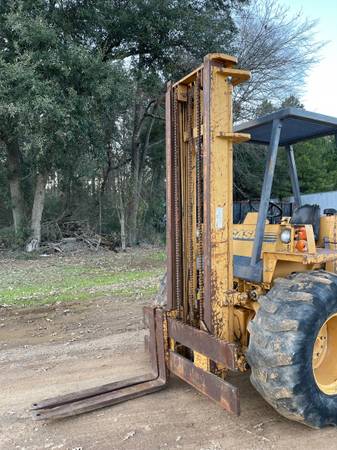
{"x": 278, "y": 48}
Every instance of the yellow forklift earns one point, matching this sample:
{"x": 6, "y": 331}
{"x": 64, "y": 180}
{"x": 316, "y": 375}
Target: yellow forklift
{"x": 256, "y": 295}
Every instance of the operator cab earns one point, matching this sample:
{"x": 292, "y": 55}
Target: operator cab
{"x": 262, "y": 250}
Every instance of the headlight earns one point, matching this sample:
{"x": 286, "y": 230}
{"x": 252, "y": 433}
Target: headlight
{"x": 285, "y": 236}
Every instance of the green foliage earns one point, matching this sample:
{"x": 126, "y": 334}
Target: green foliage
{"x": 50, "y": 86}
{"x": 317, "y": 165}
{"x": 9, "y": 239}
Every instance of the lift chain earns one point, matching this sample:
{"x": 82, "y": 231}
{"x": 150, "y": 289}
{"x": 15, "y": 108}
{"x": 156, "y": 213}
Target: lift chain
{"x": 199, "y": 174}
{"x": 191, "y": 232}
{"x": 177, "y": 209}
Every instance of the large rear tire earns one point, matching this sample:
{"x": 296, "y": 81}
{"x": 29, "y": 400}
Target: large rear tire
{"x": 293, "y": 348}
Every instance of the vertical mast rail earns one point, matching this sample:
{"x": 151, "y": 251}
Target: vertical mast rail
{"x": 293, "y": 175}
{"x": 206, "y": 194}
{"x": 219, "y": 77}
{"x": 170, "y": 220}
{"x": 191, "y": 204}
{"x": 177, "y": 204}
{"x": 199, "y": 181}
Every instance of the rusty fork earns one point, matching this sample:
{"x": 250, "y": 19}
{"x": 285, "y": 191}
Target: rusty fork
{"x": 116, "y": 392}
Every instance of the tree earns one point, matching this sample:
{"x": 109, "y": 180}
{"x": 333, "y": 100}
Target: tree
{"x": 316, "y": 162}
{"x": 49, "y": 93}
{"x": 278, "y": 47}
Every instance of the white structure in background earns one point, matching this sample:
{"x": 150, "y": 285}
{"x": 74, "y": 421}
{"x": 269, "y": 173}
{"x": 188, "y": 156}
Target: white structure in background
{"x": 323, "y": 199}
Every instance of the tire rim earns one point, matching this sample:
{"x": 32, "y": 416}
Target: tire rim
{"x": 324, "y": 357}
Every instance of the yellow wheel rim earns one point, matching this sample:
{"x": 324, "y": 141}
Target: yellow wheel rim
{"x": 324, "y": 357}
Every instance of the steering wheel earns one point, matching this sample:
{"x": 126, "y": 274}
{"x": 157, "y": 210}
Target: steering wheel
{"x": 271, "y": 213}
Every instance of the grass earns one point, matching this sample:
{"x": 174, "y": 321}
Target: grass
{"x": 159, "y": 256}
{"x": 80, "y": 278}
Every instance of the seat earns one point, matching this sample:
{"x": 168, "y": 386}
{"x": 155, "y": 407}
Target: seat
{"x": 307, "y": 215}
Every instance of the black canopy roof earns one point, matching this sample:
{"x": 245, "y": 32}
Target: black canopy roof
{"x": 297, "y": 125}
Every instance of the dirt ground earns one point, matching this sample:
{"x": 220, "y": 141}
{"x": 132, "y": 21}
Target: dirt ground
{"x": 57, "y": 348}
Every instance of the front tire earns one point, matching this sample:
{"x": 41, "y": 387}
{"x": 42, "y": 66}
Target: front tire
{"x": 293, "y": 362}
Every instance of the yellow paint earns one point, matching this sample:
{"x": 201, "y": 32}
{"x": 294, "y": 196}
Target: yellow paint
{"x": 328, "y": 232}
{"x": 201, "y": 361}
{"x": 221, "y": 195}
{"x": 324, "y": 360}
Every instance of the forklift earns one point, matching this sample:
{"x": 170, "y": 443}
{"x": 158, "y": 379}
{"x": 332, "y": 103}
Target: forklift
{"x": 256, "y": 296}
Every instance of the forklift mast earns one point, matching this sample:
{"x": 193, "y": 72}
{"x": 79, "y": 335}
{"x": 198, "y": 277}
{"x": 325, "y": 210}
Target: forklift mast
{"x": 199, "y": 155}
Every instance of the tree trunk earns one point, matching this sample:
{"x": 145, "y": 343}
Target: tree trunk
{"x": 38, "y": 205}
{"x": 139, "y": 152}
{"x": 139, "y": 113}
{"x": 14, "y": 179}
{"x": 133, "y": 209}
{"x": 123, "y": 231}
{"x": 133, "y": 220}
{"x": 117, "y": 191}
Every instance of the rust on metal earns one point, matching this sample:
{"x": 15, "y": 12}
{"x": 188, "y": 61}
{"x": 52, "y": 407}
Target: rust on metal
{"x": 81, "y": 406}
{"x": 191, "y": 208}
{"x": 199, "y": 203}
{"x": 207, "y": 195}
{"x": 200, "y": 341}
{"x": 222, "y": 392}
{"x": 177, "y": 202}
{"x": 151, "y": 321}
{"x": 160, "y": 347}
{"x": 170, "y": 232}
{"x": 116, "y": 392}
{"x": 87, "y": 393}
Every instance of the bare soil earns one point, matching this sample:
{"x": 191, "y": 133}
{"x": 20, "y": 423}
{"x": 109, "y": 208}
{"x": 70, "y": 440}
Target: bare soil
{"x": 53, "y": 349}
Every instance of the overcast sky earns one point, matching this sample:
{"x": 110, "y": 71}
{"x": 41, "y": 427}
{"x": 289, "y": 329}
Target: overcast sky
{"x": 321, "y": 86}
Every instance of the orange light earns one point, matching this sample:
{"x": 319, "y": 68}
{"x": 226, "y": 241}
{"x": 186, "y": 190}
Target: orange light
{"x": 302, "y": 234}
{"x": 301, "y": 245}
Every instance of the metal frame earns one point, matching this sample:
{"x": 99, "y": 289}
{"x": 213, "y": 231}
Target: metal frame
{"x": 202, "y": 342}
{"x": 266, "y": 190}
{"x": 170, "y": 215}
{"x": 218, "y": 390}
{"x": 293, "y": 176}
{"x": 207, "y": 225}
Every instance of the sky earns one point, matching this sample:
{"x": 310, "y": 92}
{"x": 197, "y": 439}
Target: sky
{"x": 320, "y": 93}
